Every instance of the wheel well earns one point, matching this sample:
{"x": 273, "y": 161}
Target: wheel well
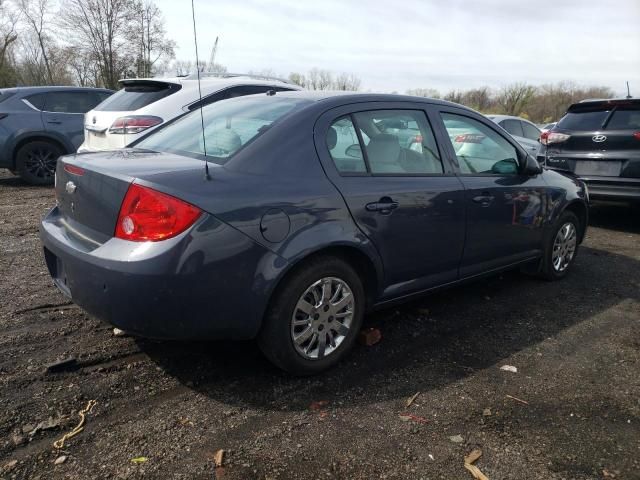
{"x": 24, "y": 141}
{"x": 358, "y": 260}
{"x": 580, "y": 211}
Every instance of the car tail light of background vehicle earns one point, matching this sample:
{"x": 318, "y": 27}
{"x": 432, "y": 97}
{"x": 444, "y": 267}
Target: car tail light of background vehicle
{"x": 73, "y": 170}
{"x": 470, "y": 138}
{"x": 134, "y": 124}
{"x": 636, "y": 135}
{"x": 547, "y": 138}
{"x": 148, "y": 215}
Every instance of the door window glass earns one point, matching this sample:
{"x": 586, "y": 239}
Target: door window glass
{"x": 343, "y": 145}
{"x": 37, "y": 100}
{"x": 69, "y": 102}
{"x": 530, "y": 132}
{"x": 514, "y": 127}
{"x": 479, "y": 148}
{"x": 399, "y": 142}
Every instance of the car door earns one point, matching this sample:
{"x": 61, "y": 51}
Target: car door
{"x": 64, "y": 112}
{"x": 504, "y": 208}
{"x": 532, "y": 136}
{"x": 400, "y": 192}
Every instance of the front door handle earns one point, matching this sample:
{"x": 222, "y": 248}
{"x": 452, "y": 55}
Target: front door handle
{"x": 385, "y": 206}
{"x": 485, "y": 199}
{"x": 54, "y": 120}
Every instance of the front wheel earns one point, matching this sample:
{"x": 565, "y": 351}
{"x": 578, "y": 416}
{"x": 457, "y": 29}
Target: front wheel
{"x": 561, "y": 247}
{"x": 314, "y": 317}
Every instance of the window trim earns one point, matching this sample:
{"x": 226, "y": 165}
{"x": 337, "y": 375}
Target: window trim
{"x": 454, "y": 157}
{"x": 369, "y": 173}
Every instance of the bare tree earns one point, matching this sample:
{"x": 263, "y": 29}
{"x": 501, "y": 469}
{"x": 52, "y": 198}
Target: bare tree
{"x": 515, "y": 98}
{"x": 8, "y": 37}
{"x": 454, "y": 96}
{"x": 148, "y": 32}
{"x": 102, "y": 26}
{"x": 424, "y": 92}
{"x": 478, "y": 98}
{"x": 347, "y": 81}
{"x": 36, "y": 14}
{"x": 298, "y": 79}
{"x": 318, "y": 79}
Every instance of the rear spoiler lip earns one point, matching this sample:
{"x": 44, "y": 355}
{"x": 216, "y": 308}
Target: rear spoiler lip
{"x": 147, "y": 81}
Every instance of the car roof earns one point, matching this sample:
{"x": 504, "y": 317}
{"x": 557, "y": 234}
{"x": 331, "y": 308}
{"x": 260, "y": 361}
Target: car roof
{"x": 507, "y": 117}
{"x": 603, "y": 102}
{"x": 222, "y": 82}
{"x": 344, "y": 97}
{"x": 51, "y": 89}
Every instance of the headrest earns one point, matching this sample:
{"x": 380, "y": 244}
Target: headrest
{"x": 384, "y": 148}
{"x": 226, "y": 140}
{"x": 332, "y": 138}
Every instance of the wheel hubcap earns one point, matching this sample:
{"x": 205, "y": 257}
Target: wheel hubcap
{"x": 564, "y": 247}
{"x": 322, "y": 318}
{"x": 41, "y": 162}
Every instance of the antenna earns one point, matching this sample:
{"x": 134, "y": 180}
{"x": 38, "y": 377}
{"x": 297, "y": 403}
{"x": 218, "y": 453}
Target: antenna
{"x": 204, "y": 141}
{"x": 212, "y": 58}
{"x": 628, "y": 91}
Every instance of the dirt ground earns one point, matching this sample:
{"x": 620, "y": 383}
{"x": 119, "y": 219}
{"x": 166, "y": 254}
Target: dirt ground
{"x": 572, "y": 410}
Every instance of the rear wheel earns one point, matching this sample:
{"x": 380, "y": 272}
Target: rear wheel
{"x": 561, "y": 247}
{"x": 36, "y": 162}
{"x": 314, "y": 318}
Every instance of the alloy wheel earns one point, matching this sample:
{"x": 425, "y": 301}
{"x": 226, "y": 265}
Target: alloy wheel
{"x": 322, "y": 318}
{"x": 564, "y": 247}
{"x": 41, "y": 162}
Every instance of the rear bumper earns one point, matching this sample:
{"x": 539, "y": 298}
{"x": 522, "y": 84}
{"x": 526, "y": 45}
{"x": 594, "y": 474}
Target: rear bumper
{"x": 198, "y": 285}
{"x": 613, "y": 188}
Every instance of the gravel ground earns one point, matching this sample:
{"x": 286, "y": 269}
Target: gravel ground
{"x": 572, "y": 410}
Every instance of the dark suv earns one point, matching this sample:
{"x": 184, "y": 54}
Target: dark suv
{"x": 38, "y": 124}
{"x": 599, "y": 141}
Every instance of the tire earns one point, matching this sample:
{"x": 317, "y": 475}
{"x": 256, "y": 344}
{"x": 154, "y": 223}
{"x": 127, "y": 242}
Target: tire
{"x": 36, "y": 162}
{"x": 553, "y": 266}
{"x": 301, "y": 298}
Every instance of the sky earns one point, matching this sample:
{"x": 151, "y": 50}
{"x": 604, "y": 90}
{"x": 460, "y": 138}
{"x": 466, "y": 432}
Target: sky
{"x": 441, "y": 44}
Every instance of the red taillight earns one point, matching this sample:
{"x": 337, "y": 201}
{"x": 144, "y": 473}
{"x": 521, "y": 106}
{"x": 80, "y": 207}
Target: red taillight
{"x": 73, "y": 170}
{"x": 148, "y": 215}
{"x": 134, "y": 124}
{"x": 469, "y": 138}
{"x": 549, "y": 137}
{"x": 636, "y": 135}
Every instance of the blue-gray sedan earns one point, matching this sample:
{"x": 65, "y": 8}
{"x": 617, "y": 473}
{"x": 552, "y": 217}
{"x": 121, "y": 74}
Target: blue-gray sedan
{"x": 292, "y": 214}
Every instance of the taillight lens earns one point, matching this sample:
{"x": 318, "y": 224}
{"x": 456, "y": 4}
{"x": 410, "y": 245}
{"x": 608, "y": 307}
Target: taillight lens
{"x": 134, "y": 124}
{"x": 636, "y": 135}
{"x": 547, "y": 138}
{"x": 73, "y": 170}
{"x": 148, "y": 215}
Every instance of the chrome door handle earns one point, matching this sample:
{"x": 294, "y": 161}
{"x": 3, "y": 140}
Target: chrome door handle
{"x": 384, "y": 206}
{"x": 485, "y": 199}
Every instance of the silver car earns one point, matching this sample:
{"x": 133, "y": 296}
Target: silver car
{"x": 523, "y": 131}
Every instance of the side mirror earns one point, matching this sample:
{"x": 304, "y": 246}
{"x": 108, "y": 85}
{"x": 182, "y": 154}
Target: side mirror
{"x": 508, "y": 166}
{"x": 354, "y": 151}
{"x": 531, "y": 166}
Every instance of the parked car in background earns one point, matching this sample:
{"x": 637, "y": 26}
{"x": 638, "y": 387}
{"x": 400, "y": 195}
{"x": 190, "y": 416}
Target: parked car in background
{"x": 312, "y": 212}
{"x": 545, "y": 127}
{"x": 599, "y": 141}
{"x": 526, "y": 133}
{"x": 144, "y": 104}
{"x": 38, "y": 124}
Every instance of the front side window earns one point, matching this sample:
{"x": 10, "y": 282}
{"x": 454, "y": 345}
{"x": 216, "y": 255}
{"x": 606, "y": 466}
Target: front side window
{"x": 530, "y": 131}
{"x": 228, "y": 126}
{"x": 344, "y": 147}
{"x": 398, "y": 142}
{"x": 479, "y": 149}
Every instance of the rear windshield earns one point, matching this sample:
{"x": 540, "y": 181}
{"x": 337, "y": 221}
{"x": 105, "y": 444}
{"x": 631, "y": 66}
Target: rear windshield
{"x": 228, "y": 126}
{"x": 625, "y": 119}
{"x": 137, "y": 95}
{"x": 584, "y": 121}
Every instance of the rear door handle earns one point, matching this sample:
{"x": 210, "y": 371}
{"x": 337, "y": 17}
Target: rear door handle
{"x": 385, "y": 206}
{"x": 485, "y": 199}
{"x": 54, "y": 120}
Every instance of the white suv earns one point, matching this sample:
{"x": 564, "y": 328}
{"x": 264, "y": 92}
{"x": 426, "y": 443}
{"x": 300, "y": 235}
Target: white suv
{"x": 143, "y": 104}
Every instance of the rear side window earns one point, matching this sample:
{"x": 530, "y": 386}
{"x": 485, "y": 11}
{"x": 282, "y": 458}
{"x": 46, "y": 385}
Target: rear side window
{"x": 229, "y": 126}
{"x": 624, "y": 120}
{"x": 5, "y": 96}
{"x": 37, "y": 100}
{"x": 530, "y": 132}
{"x": 137, "y": 95}
{"x": 583, "y": 121}
{"x": 68, "y": 102}
{"x": 233, "y": 92}
{"x": 514, "y": 127}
